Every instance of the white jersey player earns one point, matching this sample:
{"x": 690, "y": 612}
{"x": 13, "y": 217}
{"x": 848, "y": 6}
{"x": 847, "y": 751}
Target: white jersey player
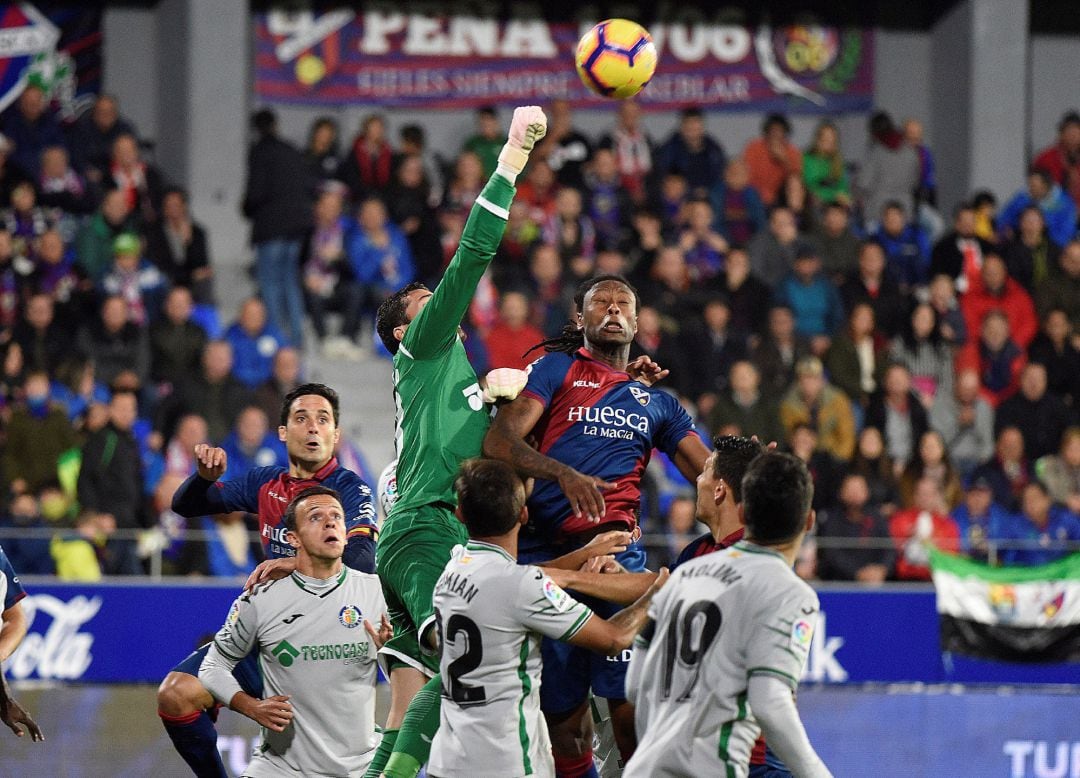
{"x": 317, "y": 649}
{"x": 490, "y": 614}
{"x": 728, "y": 643}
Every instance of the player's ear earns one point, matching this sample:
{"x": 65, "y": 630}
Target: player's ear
{"x": 720, "y": 493}
{"x": 457, "y": 512}
{"x": 292, "y": 538}
{"x": 337, "y": 436}
{"x": 523, "y": 519}
{"x": 281, "y": 433}
{"x": 399, "y": 332}
{"x": 811, "y": 518}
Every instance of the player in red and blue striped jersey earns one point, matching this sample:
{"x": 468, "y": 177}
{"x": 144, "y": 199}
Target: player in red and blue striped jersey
{"x": 309, "y": 428}
{"x": 595, "y": 425}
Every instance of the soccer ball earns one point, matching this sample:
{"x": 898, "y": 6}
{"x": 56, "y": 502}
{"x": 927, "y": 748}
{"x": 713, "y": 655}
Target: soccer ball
{"x": 616, "y": 58}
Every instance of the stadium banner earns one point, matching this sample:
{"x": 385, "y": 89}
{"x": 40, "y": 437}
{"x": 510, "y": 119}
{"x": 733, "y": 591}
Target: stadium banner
{"x": 135, "y": 632}
{"x": 1014, "y": 614}
{"x": 446, "y": 59}
{"x": 53, "y": 45}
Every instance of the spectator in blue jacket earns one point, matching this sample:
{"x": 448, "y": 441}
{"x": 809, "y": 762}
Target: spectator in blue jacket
{"x": 31, "y": 127}
{"x": 691, "y": 153}
{"x": 981, "y": 521}
{"x": 1043, "y": 527}
{"x": 812, "y": 298}
{"x": 251, "y": 444}
{"x": 379, "y": 253}
{"x": 1057, "y": 207}
{"x": 254, "y": 341}
{"x": 906, "y": 246}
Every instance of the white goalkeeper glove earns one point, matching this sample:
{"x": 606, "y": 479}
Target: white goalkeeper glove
{"x": 504, "y": 383}
{"x": 527, "y": 127}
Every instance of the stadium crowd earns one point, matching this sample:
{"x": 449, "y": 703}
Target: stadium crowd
{"x": 926, "y": 368}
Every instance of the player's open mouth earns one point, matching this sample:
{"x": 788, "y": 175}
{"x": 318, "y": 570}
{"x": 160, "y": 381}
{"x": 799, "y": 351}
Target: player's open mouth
{"x": 312, "y": 445}
{"x": 612, "y": 327}
{"x": 332, "y": 539}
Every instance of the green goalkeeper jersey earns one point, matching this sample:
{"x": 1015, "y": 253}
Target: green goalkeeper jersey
{"x": 441, "y": 417}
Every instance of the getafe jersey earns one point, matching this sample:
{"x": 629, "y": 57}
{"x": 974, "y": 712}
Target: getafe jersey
{"x": 721, "y": 618}
{"x": 441, "y": 417}
{"x": 267, "y": 492}
{"x": 313, "y": 647}
{"x": 491, "y": 614}
{"x": 602, "y": 423}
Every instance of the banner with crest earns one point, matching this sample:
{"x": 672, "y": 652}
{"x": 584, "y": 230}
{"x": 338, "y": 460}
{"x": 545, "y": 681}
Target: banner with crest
{"x": 399, "y": 59}
{"x": 56, "y": 46}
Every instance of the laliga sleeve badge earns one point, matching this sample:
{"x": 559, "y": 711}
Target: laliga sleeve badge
{"x": 802, "y": 633}
{"x": 559, "y": 599}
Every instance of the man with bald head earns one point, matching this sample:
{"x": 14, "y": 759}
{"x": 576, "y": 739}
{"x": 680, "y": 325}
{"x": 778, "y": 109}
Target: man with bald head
{"x": 966, "y": 423}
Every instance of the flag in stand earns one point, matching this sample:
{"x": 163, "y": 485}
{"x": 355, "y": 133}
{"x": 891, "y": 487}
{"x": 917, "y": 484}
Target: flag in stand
{"x": 1009, "y": 614}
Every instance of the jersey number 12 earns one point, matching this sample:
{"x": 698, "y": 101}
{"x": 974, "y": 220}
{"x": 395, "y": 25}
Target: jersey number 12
{"x": 463, "y": 628}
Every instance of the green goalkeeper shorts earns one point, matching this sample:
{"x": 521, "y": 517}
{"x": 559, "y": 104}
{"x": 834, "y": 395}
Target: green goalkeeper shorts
{"x": 414, "y": 547}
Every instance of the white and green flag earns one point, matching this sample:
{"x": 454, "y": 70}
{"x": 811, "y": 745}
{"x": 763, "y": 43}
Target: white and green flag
{"x": 1011, "y": 614}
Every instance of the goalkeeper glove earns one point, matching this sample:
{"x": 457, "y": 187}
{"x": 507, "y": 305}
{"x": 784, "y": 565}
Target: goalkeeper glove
{"x": 527, "y": 127}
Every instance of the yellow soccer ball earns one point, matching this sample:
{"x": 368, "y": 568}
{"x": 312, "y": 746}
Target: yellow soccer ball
{"x": 616, "y": 58}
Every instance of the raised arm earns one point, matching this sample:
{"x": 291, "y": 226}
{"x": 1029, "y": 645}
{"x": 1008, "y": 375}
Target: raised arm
{"x": 435, "y": 327}
{"x": 617, "y": 633}
{"x": 505, "y": 440}
{"x": 690, "y": 457}
{"x": 198, "y": 496}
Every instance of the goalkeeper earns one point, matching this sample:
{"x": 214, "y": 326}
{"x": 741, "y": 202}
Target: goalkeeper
{"x": 441, "y": 421}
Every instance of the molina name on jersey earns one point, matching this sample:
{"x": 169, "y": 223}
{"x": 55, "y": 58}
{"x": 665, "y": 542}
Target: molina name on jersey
{"x": 267, "y": 491}
{"x": 600, "y": 422}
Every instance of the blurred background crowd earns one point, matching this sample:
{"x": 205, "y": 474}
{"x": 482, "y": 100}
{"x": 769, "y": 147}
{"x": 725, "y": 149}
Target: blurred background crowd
{"x": 922, "y": 357}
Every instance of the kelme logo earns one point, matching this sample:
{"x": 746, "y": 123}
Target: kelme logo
{"x": 285, "y": 653}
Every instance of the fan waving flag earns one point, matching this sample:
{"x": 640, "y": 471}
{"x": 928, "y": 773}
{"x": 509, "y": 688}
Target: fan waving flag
{"x": 1009, "y": 614}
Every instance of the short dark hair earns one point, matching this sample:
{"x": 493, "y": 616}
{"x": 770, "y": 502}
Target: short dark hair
{"x": 264, "y": 121}
{"x": 412, "y": 133}
{"x": 392, "y": 314}
{"x": 486, "y": 110}
{"x": 294, "y": 504}
{"x": 777, "y": 492}
{"x": 734, "y": 453}
{"x": 320, "y": 390}
{"x": 776, "y": 118}
{"x": 983, "y": 197}
{"x": 490, "y": 497}
{"x": 691, "y": 112}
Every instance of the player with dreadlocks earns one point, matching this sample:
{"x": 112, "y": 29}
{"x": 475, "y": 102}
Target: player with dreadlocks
{"x": 596, "y": 427}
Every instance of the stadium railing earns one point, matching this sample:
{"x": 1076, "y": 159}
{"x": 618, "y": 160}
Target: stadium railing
{"x": 154, "y": 544}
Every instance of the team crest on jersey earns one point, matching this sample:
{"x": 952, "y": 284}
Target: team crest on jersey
{"x": 350, "y": 617}
{"x": 234, "y": 614}
{"x": 802, "y": 632}
{"x": 640, "y": 395}
{"x": 556, "y": 596}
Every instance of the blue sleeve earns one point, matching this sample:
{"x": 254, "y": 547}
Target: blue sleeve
{"x": 198, "y": 497}
{"x": 1010, "y": 214}
{"x": 14, "y": 588}
{"x": 924, "y": 255}
{"x": 546, "y": 376}
{"x": 242, "y": 494}
{"x": 1061, "y": 222}
{"x": 361, "y": 532}
{"x": 756, "y": 209}
{"x": 406, "y": 271}
{"x": 359, "y": 259}
{"x": 677, "y": 425}
{"x": 836, "y": 310}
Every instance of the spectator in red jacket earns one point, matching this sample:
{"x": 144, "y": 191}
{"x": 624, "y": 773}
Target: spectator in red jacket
{"x": 913, "y": 529}
{"x": 513, "y": 335}
{"x": 996, "y": 357}
{"x": 999, "y": 292}
{"x": 1062, "y": 160}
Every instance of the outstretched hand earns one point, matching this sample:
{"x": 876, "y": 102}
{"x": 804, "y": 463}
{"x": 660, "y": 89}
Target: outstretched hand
{"x": 15, "y": 716}
{"x": 646, "y": 371}
{"x": 211, "y": 461}
{"x": 584, "y": 494}
{"x": 271, "y": 570}
{"x": 381, "y": 635}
